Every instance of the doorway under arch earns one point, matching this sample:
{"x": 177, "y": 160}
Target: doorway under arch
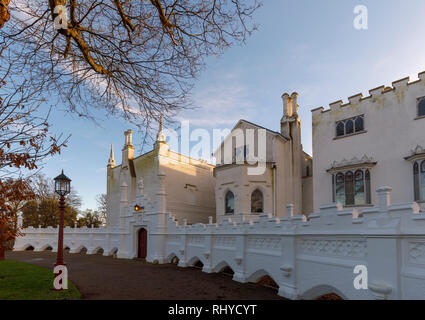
{"x": 142, "y": 247}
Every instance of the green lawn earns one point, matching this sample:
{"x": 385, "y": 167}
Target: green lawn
{"x": 25, "y": 281}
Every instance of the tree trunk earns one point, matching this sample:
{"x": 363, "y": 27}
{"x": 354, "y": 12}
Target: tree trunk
{"x": 2, "y": 242}
{"x": 4, "y": 12}
{"x": 2, "y": 253}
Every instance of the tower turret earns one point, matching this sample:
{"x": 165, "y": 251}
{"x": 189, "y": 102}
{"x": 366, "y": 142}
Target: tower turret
{"x": 128, "y": 149}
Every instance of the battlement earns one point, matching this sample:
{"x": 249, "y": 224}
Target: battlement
{"x": 331, "y": 218}
{"x": 374, "y": 93}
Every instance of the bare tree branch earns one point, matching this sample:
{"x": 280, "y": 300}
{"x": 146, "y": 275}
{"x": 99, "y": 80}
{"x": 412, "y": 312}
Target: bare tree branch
{"x": 136, "y": 59}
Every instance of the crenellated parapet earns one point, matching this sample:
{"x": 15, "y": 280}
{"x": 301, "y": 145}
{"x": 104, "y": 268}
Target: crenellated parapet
{"x": 332, "y": 218}
{"x": 375, "y": 95}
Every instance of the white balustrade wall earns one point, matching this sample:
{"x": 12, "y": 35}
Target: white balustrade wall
{"x": 306, "y": 256}
{"x": 76, "y": 239}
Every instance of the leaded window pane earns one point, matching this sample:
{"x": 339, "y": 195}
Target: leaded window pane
{"x": 359, "y": 124}
{"x": 340, "y": 188}
{"x": 349, "y": 127}
{"x": 340, "y": 129}
{"x": 422, "y": 181}
{"x": 230, "y": 203}
{"x": 416, "y": 181}
{"x": 352, "y": 188}
{"x": 359, "y": 188}
{"x": 421, "y": 108}
{"x": 368, "y": 194}
{"x": 422, "y": 186}
{"x": 349, "y": 188}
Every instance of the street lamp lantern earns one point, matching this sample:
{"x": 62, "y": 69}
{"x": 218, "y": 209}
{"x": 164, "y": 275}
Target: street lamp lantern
{"x": 62, "y": 188}
{"x": 138, "y": 208}
{"x": 62, "y": 185}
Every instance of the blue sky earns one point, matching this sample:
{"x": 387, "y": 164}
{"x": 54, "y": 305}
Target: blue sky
{"x": 307, "y": 46}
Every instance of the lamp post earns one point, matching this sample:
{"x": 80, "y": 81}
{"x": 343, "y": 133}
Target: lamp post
{"x": 62, "y": 188}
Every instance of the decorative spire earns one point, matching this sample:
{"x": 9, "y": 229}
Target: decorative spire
{"x": 160, "y": 135}
{"x": 111, "y": 162}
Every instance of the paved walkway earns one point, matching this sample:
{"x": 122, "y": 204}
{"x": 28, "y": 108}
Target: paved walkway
{"x": 99, "y": 277}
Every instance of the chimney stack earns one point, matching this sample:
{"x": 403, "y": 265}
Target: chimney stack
{"x": 128, "y": 138}
{"x": 294, "y": 98}
{"x": 286, "y": 105}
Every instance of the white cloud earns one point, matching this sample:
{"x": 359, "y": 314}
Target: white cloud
{"x": 220, "y": 104}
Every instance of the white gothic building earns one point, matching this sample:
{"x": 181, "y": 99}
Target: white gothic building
{"x": 308, "y": 223}
{"x": 286, "y": 177}
{"x": 190, "y": 182}
{"x": 370, "y": 142}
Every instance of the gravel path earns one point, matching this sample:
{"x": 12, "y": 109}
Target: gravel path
{"x": 99, "y": 277}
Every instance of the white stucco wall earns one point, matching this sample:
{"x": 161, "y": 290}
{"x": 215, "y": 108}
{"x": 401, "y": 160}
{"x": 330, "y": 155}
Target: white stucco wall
{"x": 392, "y": 132}
{"x": 189, "y": 183}
{"x": 190, "y": 187}
{"x": 281, "y": 182}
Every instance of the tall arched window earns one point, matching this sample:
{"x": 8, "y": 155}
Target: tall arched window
{"x": 359, "y": 124}
{"x": 423, "y": 180}
{"x": 421, "y": 107}
{"x": 349, "y": 188}
{"x": 419, "y": 180}
{"x": 349, "y": 127}
{"x": 340, "y": 129}
{"x": 359, "y": 189}
{"x": 416, "y": 181}
{"x": 368, "y": 194}
{"x": 340, "y": 188}
{"x": 257, "y": 201}
{"x": 229, "y": 203}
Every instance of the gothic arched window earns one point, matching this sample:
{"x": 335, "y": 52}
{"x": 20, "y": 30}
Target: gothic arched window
{"x": 349, "y": 188}
{"x": 257, "y": 201}
{"x": 229, "y": 203}
{"x": 359, "y": 124}
{"x": 416, "y": 181}
{"x": 352, "y": 188}
{"x": 423, "y": 180}
{"x": 359, "y": 188}
{"x": 340, "y": 129}
{"x": 421, "y": 107}
{"x": 349, "y": 127}
{"x": 340, "y": 188}
{"x": 419, "y": 180}
{"x": 368, "y": 194}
